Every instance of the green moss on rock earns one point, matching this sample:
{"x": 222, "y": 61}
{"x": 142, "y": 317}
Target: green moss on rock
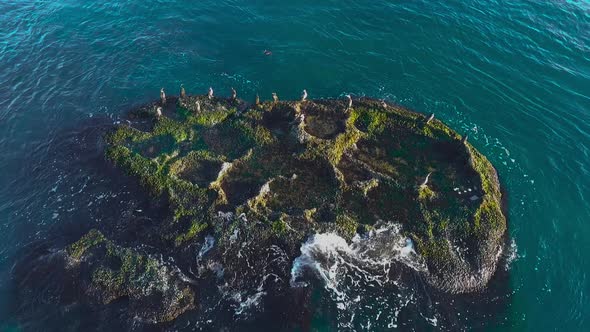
{"x": 346, "y": 225}
{"x": 91, "y": 239}
{"x": 426, "y": 194}
{"x": 110, "y": 272}
{"x": 166, "y": 126}
{"x": 194, "y": 230}
{"x": 317, "y": 166}
{"x": 279, "y": 228}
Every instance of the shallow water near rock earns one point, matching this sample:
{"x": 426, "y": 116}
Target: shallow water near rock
{"x": 513, "y": 75}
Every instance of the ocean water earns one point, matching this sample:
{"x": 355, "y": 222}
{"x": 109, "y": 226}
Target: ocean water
{"x": 513, "y": 74}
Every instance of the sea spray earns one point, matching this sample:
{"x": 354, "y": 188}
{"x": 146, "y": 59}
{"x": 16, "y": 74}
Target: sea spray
{"x": 326, "y": 252}
{"x": 366, "y": 275}
{"x": 250, "y": 269}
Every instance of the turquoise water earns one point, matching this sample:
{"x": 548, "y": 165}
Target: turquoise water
{"x": 514, "y": 74}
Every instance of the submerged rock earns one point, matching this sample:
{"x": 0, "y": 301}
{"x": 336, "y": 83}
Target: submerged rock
{"x": 290, "y": 169}
{"x": 108, "y": 272}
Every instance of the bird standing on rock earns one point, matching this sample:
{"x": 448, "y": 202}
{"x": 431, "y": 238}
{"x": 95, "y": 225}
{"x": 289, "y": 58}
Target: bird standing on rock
{"x": 198, "y": 103}
{"x": 275, "y": 97}
{"x": 162, "y": 96}
{"x": 383, "y": 103}
{"x": 304, "y": 95}
{"x": 234, "y": 94}
{"x": 159, "y": 112}
{"x": 426, "y": 180}
{"x": 210, "y": 93}
{"x": 349, "y": 97}
{"x": 430, "y": 118}
{"x": 182, "y": 91}
{"x": 257, "y": 100}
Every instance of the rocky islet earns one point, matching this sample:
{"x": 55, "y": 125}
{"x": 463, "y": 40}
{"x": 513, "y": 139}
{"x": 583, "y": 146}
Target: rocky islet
{"x": 282, "y": 171}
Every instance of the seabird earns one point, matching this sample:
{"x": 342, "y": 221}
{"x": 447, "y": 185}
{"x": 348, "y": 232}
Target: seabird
{"x": 198, "y": 103}
{"x": 159, "y": 111}
{"x": 383, "y": 103}
{"x": 426, "y": 180}
{"x": 162, "y": 96}
{"x": 182, "y": 91}
{"x": 349, "y": 97}
{"x": 275, "y": 97}
{"x": 257, "y": 99}
{"x": 430, "y": 118}
{"x": 210, "y": 93}
{"x": 234, "y": 94}
{"x": 304, "y": 95}
{"x": 465, "y": 138}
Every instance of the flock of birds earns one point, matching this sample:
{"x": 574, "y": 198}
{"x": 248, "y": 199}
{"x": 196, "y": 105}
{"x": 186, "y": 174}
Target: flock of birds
{"x": 275, "y": 98}
{"x": 234, "y": 96}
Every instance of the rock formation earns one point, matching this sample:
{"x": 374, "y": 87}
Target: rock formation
{"x": 284, "y": 170}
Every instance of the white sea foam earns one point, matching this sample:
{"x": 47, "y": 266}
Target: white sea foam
{"x": 511, "y": 254}
{"x": 247, "y": 303}
{"x": 207, "y": 245}
{"x": 379, "y": 248}
{"x": 260, "y": 273}
{"x": 360, "y": 273}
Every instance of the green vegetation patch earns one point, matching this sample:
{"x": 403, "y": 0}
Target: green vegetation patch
{"x": 91, "y": 239}
{"x": 112, "y": 272}
{"x": 315, "y": 166}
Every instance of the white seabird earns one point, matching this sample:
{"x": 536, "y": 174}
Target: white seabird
{"x": 426, "y": 180}
{"x": 430, "y": 118}
{"x": 162, "y": 96}
{"x": 349, "y": 97}
{"x": 182, "y": 91}
{"x": 304, "y": 95}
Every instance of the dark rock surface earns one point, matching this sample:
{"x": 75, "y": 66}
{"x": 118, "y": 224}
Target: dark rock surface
{"x": 107, "y": 272}
{"x": 273, "y": 174}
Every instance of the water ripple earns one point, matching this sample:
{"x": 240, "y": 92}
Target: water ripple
{"x": 514, "y": 74}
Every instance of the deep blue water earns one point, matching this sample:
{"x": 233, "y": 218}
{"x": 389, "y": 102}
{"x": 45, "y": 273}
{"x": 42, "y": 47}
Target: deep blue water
{"x": 514, "y": 74}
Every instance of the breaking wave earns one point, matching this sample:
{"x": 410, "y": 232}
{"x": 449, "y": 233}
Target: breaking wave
{"x": 371, "y": 279}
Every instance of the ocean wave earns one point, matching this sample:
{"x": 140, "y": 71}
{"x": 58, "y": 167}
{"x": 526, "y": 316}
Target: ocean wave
{"x": 366, "y": 275}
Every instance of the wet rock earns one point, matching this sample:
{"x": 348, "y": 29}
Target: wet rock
{"x": 107, "y": 273}
{"x": 284, "y": 170}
